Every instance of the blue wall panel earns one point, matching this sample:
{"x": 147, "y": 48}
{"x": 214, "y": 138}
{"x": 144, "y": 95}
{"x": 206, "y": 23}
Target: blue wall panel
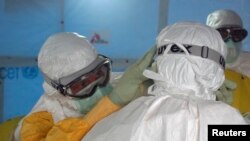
{"x": 129, "y": 27}
{"x": 25, "y": 24}
{"x": 23, "y": 87}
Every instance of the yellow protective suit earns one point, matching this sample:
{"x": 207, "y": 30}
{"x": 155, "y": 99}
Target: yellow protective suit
{"x": 7, "y": 129}
{"x": 39, "y": 126}
{"x": 241, "y": 95}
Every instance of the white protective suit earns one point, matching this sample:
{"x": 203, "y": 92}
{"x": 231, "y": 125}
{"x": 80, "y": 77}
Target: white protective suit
{"x": 61, "y": 55}
{"x": 225, "y": 17}
{"x": 181, "y": 103}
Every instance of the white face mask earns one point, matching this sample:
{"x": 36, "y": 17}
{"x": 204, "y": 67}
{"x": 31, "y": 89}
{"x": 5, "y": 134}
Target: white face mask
{"x": 233, "y": 51}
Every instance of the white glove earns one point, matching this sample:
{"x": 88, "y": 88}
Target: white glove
{"x": 225, "y": 92}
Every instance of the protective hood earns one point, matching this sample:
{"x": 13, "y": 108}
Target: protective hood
{"x": 221, "y": 18}
{"x": 61, "y": 55}
{"x": 64, "y": 54}
{"x": 185, "y": 73}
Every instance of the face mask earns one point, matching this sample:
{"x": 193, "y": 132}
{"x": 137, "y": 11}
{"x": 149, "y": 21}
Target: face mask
{"x": 233, "y": 50}
{"x": 86, "y": 104}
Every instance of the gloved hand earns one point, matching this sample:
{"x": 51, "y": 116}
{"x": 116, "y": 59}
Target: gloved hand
{"x": 36, "y": 126}
{"x": 133, "y": 84}
{"x": 225, "y": 92}
{"x": 247, "y": 117}
{"x": 69, "y": 129}
{"x": 74, "y": 129}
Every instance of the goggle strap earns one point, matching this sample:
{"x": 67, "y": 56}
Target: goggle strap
{"x": 201, "y": 51}
{"x": 54, "y": 84}
{"x": 50, "y": 82}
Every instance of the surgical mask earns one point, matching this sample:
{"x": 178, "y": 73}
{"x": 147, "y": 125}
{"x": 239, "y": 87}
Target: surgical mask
{"x": 233, "y": 50}
{"x": 86, "y": 104}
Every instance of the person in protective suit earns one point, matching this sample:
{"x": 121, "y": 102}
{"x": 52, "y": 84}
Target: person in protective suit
{"x": 236, "y": 88}
{"x": 190, "y": 63}
{"x": 77, "y": 90}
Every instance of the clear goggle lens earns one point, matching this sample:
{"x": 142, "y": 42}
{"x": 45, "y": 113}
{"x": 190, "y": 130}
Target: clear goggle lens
{"x": 85, "y": 84}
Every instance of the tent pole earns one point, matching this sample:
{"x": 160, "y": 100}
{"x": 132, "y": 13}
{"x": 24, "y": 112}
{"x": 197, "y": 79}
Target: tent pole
{"x": 1, "y": 96}
{"x": 163, "y": 14}
{"x": 62, "y": 15}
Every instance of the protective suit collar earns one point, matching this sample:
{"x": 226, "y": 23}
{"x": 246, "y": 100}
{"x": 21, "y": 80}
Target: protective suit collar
{"x": 61, "y": 107}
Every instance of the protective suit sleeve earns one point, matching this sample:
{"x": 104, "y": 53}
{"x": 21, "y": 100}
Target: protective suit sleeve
{"x": 36, "y": 126}
{"x": 74, "y": 129}
{"x": 132, "y": 85}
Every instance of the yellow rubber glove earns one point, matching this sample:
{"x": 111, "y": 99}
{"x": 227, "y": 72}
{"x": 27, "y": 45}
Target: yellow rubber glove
{"x": 225, "y": 92}
{"x": 70, "y": 129}
{"x": 36, "y": 126}
{"x": 74, "y": 129}
{"x": 133, "y": 84}
{"x": 7, "y": 129}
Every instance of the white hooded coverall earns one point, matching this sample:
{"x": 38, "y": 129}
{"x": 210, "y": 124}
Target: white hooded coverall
{"x": 181, "y": 103}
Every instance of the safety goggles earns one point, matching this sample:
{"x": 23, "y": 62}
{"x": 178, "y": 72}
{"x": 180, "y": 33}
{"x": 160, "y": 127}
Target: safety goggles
{"x": 83, "y": 83}
{"x": 237, "y": 34}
